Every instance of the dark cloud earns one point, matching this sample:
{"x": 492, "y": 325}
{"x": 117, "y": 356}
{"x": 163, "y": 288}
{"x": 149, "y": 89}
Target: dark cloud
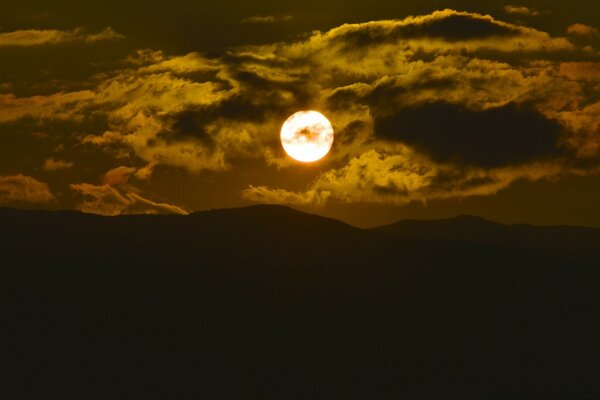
{"x": 194, "y": 122}
{"x": 260, "y": 99}
{"x": 268, "y": 91}
{"x": 349, "y": 133}
{"x": 190, "y": 124}
{"x": 449, "y": 26}
{"x": 459, "y": 27}
{"x": 387, "y": 94}
{"x": 454, "y": 180}
{"x": 199, "y": 123}
{"x": 489, "y": 138}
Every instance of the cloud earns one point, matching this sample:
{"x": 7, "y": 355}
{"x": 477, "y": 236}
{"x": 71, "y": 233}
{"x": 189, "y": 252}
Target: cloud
{"x": 58, "y": 106}
{"x": 116, "y": 196}
{"x": 266, "y": 19}
{"x": 191, "y": 62}
{"x": 144, "y": 104}
{"x": 448, "y": 104}
{"x": 141, "y": 135}
{"x": 581, "y": 70}
{"x": 118, "y": 176}
{"x": 439, "y": 32}
{"x": 108, "y": 200}
{"x": 447, "y": 25}
{"x": 521, "y": 10}
{"x": 51, "y": 164}
{"x": 166, "y": 117}
{"x": 34, "y": 37}
{"x": 104, "y": 35}
{"x": 400, "y": 178}
{"x": 23, "y": 189}
{"x": 582, "y": 30}
{"x": 488, "y": 138}
{"x": 196, "y": 113}
{"x": 266, "y": 195}
{"x": 584, "y": 123}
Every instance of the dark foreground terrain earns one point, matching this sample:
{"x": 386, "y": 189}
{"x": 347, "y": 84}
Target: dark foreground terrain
{"x": 268, "y": 302}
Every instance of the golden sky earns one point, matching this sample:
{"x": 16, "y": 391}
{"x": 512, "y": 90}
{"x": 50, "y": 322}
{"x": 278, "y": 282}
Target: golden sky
{"x": 439, "y": 108}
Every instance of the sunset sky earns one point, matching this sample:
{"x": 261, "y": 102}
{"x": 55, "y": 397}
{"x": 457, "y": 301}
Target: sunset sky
{"x": 439, "y": 107}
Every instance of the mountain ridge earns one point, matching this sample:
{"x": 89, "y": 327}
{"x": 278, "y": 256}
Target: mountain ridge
{"x": 458, "y": 217}
{"x": 570, "y": 242}
{"x": 564, "y": 241}
{"x": 272, "y": 297}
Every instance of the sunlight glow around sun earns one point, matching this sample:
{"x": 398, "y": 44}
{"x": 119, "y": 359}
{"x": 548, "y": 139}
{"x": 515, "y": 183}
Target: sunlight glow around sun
{"x": 307, "y": 136}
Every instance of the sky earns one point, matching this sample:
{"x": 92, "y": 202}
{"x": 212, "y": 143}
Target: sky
{"x": 439, "y": 108}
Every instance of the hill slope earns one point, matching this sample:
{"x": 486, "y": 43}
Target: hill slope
{"x": 267, "y": 301}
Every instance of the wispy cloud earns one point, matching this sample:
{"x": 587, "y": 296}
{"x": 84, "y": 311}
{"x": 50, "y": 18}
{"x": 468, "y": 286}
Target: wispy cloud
{"x": 115, "y": 196}
{"x": 521, "y": 10}
{"x": 36, "y": 37}
{"x": 58, "y": 106}
{"x": 52, "y": 164}
{"x": 266, "y": 19}
{"x": 108, "y": 200}
{"x": 400, "y": 178}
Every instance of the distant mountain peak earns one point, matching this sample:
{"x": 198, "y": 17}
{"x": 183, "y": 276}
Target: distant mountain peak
{"x": 575, "y": 243}
{"x": 469, "y": 217}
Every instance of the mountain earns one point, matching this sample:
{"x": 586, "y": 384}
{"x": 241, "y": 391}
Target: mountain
{"x": 567, "y": 242}
{"x": 270, "y": 302}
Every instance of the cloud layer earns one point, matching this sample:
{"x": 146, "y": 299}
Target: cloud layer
{"x": 115, "y": 196}
{"x": 15, "y": 189}
{"x": 446, "y": 105}
{"x": 36, "y": 37}
{"x": 521, "y": 10}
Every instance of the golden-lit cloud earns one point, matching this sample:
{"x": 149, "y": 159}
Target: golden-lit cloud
{"x": 108, "y": 200}
{"x": 439, "y": 32}
{"x": 584, "y": 123}
{"x": 58, "y": 106}
{"x": 116, "y": 196}
{"x": 23, "y": 189}
{"x": 582, "y": 30}
{"x": 192, "y": 62}
{"x": 35, "y": 37}
{"x": 51, "y": 164}
{"x": 449, "y": 104}
{"x": 581, "y": 70}
{"x": 166, "y": 118}
{"x": 118, "y": 176}
{"x": 521, "y": 10}
{"x": 400, "y": 178}
{"x": 141, "y": 135}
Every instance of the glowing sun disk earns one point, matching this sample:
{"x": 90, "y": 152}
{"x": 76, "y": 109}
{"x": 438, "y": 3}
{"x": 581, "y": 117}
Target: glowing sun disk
{"x": 307, "y": 136}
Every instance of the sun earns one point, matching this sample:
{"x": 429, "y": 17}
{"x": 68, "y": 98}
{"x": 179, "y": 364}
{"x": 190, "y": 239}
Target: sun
{"x": 307, "y": 136}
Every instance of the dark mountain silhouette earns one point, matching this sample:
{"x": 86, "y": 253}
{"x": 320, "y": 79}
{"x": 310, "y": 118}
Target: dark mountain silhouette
{"x": 269, "y": 302}
{"x": 567, "y": 242}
